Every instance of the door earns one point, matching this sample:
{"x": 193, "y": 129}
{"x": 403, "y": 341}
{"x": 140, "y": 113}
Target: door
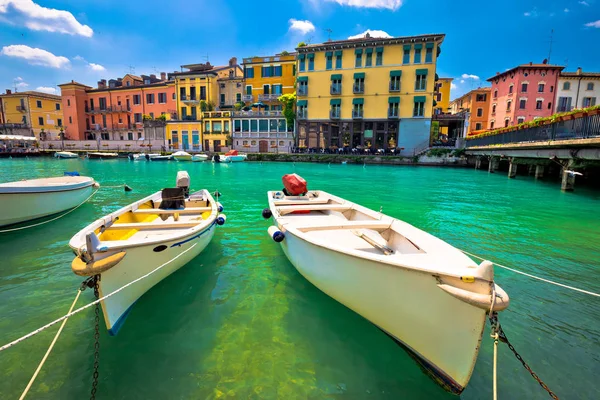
{"x": 266, "y": 89}
{"x": 206, "y": 145}
{"x": 128, "y": 105}
{"x": 217, "y": 145}
{"x": 185, "y": 141}
{"x": 263, "y": 146}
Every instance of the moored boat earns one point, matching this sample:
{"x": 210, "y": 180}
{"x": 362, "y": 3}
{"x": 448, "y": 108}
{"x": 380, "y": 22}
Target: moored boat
{"x": 199, "y": 157}
{"x": 160, "y": 233}
{"x": 425, "y": 294}
{"x": 65, "y": 154}
{"x": 142, "y": 156}
{"x": 161, "y": 158}
{"x": 36, "y": 198}
{"x": 233, "y": 156}
{"x": 182, "y": 156}
{"x": 102, "y": 155}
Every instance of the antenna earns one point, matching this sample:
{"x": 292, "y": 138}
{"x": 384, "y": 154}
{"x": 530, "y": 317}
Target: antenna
{"x": 551, "y": 40}
{"x": 155, "y": 70}
{"x": 131, "y": 69}
{"x": 309, "y": 39}
{"x": 329, "y": 32}
{"x": 566, "y": 63}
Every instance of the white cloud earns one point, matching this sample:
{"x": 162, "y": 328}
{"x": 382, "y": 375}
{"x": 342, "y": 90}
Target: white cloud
{"x": 79, "y": 58}
{"x": 387, "y": 4}
{"x": 462, "y": 81}
{"x": 453, "y": 86}
{"x": 584, "y": 3}
{"x": 301, "y": 26}
{"x": 97, "y": 67}
{"x": 374, "y": 34}
{"x": 469, "y": 76}
{"x": 20, "y": 84}
{"x": 566, "y": 10}
{"x": 38, "y": 18}
{"x": 46, "y": 89}
{"x": 595, "y": 24}
{"x": 35, "y": 56}
{"x": 527, "y": 14}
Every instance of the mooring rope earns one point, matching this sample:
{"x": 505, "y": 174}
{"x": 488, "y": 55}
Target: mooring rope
{"x": 33, "y": 333}
{"x": 535, "y": 277}
{"x": 39, "y": 368}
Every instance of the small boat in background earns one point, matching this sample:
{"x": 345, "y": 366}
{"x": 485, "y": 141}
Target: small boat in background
{"x": 425, "y": 294}
{"x": 36, "y": 198}
{"x": 199, "y": 157}
{"x": 182, "y": 156}
{"x": 102, "y": 155}
{"x": 161, "y": 158}
{"x": 142, "y": 157}
{"x": 233, "y": 156}
{"x": 65, "y": 154}
{"x": 166, "y": 229}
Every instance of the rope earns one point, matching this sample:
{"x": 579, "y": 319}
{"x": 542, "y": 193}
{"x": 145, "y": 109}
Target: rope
{"x": 536, "y": 277}
{"x": 39, "y": 368}
{"x": 495, "y": 378}
{"x": 70, "y": 314}
{"x": 53, "y": 219}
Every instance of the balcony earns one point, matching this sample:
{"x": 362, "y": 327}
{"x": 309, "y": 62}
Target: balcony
{"x": 268, "y": 97}
{"x": 357, "y": 114}
{"x": 21, "y": 108}
{"x": 334, "y": 114}
{"x": 248, "y": 97}
{"x": 336, "y": 89}
{"x": 192, "y": 100}
{"x": 302, "y": 114}
{"x": 302, "y": 91}
{"x": 253, "y": 113}
{"x": 394, "y": 87}
{"x": 108, "y": 110}
{"x": 358, "y": 89}
{"x": 216, "y": 114}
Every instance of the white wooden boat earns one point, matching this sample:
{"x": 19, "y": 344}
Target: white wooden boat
{"x": 36, "y": 198}
{"x": 182, "y": 156}
{"x": 102, "y": 155}
{"x": 427, "y": 295}
{"x": 199, "y": 157}
{"x": 161, "y": 158}
{"x": 168, "y": 227}
{"x": 65, "y": 154}
{"x": 233, "y": 156}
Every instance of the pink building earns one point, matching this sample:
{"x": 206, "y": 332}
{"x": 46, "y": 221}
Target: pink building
{"x": 522, "y": 94}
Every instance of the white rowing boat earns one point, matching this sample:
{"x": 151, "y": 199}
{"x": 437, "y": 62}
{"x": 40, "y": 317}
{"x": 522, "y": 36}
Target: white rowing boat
{"x": 168, "y": 229}
{"x": 36, "y": 198}
{"x": 427, "y": 295}
{"x": 182, "y": 156}
{"x": 65, "y": 154}
{"x": 233, "y": 156}
{"x": 199, "y": 157}
{"x": 100, "y": 156}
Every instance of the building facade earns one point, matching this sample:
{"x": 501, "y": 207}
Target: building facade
{"x": 523, "y": 94}
{"x": 116, "y": 109}
{"x": 441, "y": 96}
{"x": 475, "y": 105}
{"x": 262, "y": 132}
{"x": 368, "y": 93}
{"x": 577, "y": 90}
{"x": 36, "y": 113}
{"x": 267, "y": 78}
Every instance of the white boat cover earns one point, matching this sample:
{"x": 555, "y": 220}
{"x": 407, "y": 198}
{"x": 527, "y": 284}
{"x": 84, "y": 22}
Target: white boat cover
{"x": 18, "y": 137}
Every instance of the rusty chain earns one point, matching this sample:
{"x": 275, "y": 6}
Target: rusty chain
{"x": 497, "y": 329}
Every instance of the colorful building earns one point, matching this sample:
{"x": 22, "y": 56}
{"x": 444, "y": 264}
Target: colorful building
{"x": 475, "y": 105}
{"x": 116, "y": 109}
{"x": 577, "y": 90}
{"x": 39, "y": 114}
{"x": 367, "y": 93}
{"x": 267, "y": 78}
{"x": 441, "y": 96}
{"x": 523, "y": 93}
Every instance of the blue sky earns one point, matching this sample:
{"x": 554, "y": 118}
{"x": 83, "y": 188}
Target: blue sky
{"x": 47, "y": 42}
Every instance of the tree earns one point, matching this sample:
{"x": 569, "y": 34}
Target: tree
{"x": 289, "y": 107}
{"x": 238, "y": 106}
{"x": 285, "y": 53}
{"x": 301, "y": 44}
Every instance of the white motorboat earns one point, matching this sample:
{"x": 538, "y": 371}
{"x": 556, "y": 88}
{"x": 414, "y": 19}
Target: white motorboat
{"x": 182, "y": 156}
{"x": 166, "y": 230}
{"x": 233, "y": 156}
{"x": 102, "y": 156}
{"x": 199, "y": 157}
{"x": 161, "y": 158}
{"x": 65, "y": 154}
{"x": 427, "y": 295}
{"x": 36, "y": 198}
{"x": 142, "y": 157}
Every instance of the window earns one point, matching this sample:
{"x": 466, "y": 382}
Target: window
{"x": 174, "y": 96}
{"x": 395, "y": 82}
{"x": 335, "y": 110}
{"x": 302, "y": 88}
{"x": 329, "y": 61}
{"x": 524, "y": 87}
{"x": 508, "y": 105}
{"x": 267, "y": 71}
{"x": 146, "y": 81}
{"x": 207, "y": 127}
{"x": 520, "y": 120}
{"x": 589, "y": 101}
{"x": 336, "y": 85}
{"x": 496, "y": 93}
{"x": 222, "y": 98}
{"x": 57, "y": 106}
{"x": 202, "y": 92}
{"x": 590, "y": 86}
{"x": 162, "y": 98}
{"x": 510, "y": 89}
{"x": 237, "y": 125}
{"x": 277, "y": 89}
{"x": 357, "y": 109}
{"x": 359, "y": 83}
{"x": 406, "y": 56}
{"x": 369, "y": 58}
{"x": 93, "y": 119}
{"x": 522, "y": 104}
{"x": 421, "y": 81}
{"x": 480, "y": 112}
{"x": 358, "y": 61}
{"x": 39, "y": 103}
{"x": 538, "y": 104}
{"x": 152, "y": 115}
{"x": 253, "y": 127}
{"x": 136, "y": 99}
{"x": 302, "y": 108}
{"x": 481, "y": 97}
{"x": 137, "y": 118}
{"x": 492, "y": 125}
{"x": 302, "y": 64}
{"x": 249, "y": 90}
{"x": 429, "y": 53}
{"x": 128, "y": 83}
{"x": 70, "y": 120}
{"x": 277, "y": 71}
{"x": 493, "y": 109}
{"x": 541, "y": 88}
{"x": 238, "y": 97}
{"x": 564, "y": 104}
{"x": 338, "y": 59}
{"x": 311, "y": 62}
{"x": 59, "y": 122}
{"x": 104, "y": 120}
{"x": 551, "y": 89}
{"x": 41, "y": 120}
{"x": 102, "y": 103}
{"x": 478, "y": 126}
{"x": 248, "y": 72}
{"x": 567, "y": 86}
{"x": 150, "y": 98}
{"x": 245, "y": 125}
{"x": 506, "y": 122}
{"x": 69, "y": 102}
{"x": 417, "y": 58}
{"x": 394, "y": 108}
{"x": 549, "y": 105}
{"x": 419, "y": 108}
{"x": 379, "y": 57}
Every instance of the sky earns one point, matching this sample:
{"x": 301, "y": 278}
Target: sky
{"x": 44, "y": 43}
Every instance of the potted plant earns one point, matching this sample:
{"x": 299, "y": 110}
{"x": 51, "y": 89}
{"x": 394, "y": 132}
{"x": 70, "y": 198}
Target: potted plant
{"x": 578, "y": 113}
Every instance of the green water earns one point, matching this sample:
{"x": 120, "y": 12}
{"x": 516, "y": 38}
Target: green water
{"x": 240, "y": 322}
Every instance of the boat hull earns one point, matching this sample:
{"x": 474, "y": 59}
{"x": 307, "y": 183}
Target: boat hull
{"x": 229, "y": 159}
{"x": 139, "y": 261}
{"x": 65, "y": 155}
{"x": 21, "y": 207}
{"x": 183, "y": 158}
{"x": 199, "y": 157}
{"x": 443, "y": 332}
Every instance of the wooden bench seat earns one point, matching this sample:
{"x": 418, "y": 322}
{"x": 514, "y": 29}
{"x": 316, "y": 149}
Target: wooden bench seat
{"x": 375, "y": 225}
{"x": 189, "y": 210}
{"x": 155, "y": 225}
{"x": 283, "y": 210}
{"x": 299, "y": 202}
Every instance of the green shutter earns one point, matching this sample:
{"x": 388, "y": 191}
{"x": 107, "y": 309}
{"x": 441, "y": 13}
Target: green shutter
{"x": 338, "y": 53}
{"x": 394, "y": 100}
{"x": 301, "y": 103}
{"x": 359, "y": 75}
{"x": 369, "y": 50}
{"x": 379, "y": 49}
{"x": 429, "y": 45}
{"x": 358, "y": 101}
{"x": 407, "y": 47}
{"x": 303, "y": 79}
{"x": 358, "y": 51}
{"x": 301, "y": 56}
{"x": 329, "y": 54}
{"x": 395, "y": 73}
{"x": 336, "y": 77}
{"x": 422, "y": 71}
{"x": 335, "y": 102}
{"x": 420, "y": 99}
{"x": 311, "y": 55}
{"x": 418, "y": 46}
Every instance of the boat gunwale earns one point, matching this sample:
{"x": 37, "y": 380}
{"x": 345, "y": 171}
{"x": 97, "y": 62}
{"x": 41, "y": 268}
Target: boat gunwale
{"x": 65, "y": 187}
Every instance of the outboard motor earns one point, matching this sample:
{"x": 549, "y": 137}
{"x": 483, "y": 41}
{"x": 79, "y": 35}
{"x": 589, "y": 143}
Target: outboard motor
{"x": 217, "y": 158}
{"x": 183, "y": 182}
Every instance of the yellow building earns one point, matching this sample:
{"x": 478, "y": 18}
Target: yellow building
{"x": 198, "y": 124}
{"x": 442, "y": 96}
{"x": 39, "y": 113}
{"x": 267, "y": 78}
{"x": 368, "y": 93}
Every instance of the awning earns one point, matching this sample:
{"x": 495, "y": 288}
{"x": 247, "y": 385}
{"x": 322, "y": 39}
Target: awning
{"x": 336, "y": 77}
{"x": 422, "y": 71}
{"x": 358, "y": 51}
{"x": 420, "y": 99}
{"x": 329, "y": 53}
{"x": 418, "y": 46}
{"x": 18, "y": 137}
{"x": 407, "y": 47}
{"x": 359, "y": 75}
{"x": 396, "y": 73}
{"x": 301, "y": 56}
{"x": 394, "y": 100}
{"x": 311, "y": 55}
{"x": 358, "y": 101}
{"x": 303, "y": 79}
{"x": 369, "y": 50}
{"x": 302, "y": 103}
{"x": 379, "y": 49}
{"x": 429, "y": 45}
{"x": 335, "y": 102}
{"x": 338, "y": 53}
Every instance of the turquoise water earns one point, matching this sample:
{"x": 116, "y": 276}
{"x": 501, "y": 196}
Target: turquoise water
{"x": 239, "y": 322}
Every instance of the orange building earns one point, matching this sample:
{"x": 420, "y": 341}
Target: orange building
{"x": 476, "y": 103}
{"x": 116, "y": 110}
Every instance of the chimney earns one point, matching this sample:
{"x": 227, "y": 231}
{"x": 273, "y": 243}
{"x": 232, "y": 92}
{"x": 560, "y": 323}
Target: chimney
{"x": 530, "y": 62}
{"x": 163, "y": 76}
{"x": 8, "y": 91}
{"x": 152, "y": 76}
{"x": 102, "y": 84}
{"x": 233, "y": 61}
{"x": 579, "y": 71}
